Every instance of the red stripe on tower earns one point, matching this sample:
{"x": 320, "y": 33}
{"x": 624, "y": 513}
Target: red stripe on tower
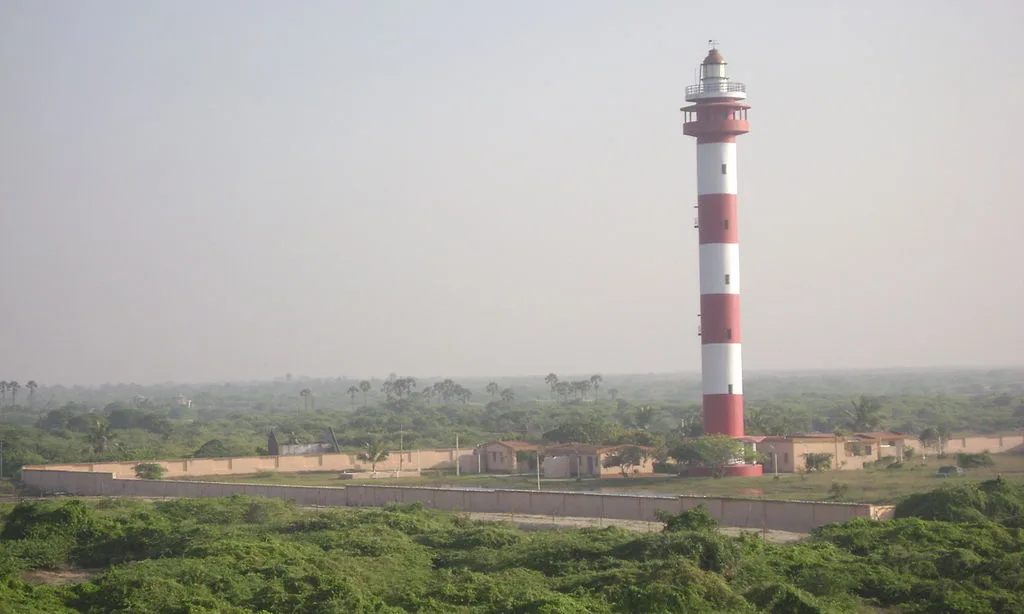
{"x": 716, "y": 118}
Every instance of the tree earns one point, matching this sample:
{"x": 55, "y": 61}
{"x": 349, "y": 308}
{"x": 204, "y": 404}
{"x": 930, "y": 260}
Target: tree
{"x": 352, "y": 392}
{"x": 625, "y": 458}
{"x": 493, "y": 389}
{"x": 3, "y": 393}
{"x": 714, "y": 452}
{"x": 581, "y": 387}
{"x": 507, "y": 396}
{"x": 613, "y": 393}
{"x": 863, "y": 415}
{"x": 99, "y": 435}
{"x": 643, "y": 416}
{"x": 13, "y": 387}
{"x": 365, "y": 387}
{"x": 398, "y": 387}
{"x": 150, "y": 471}
{"x": 935, "y": 437}
{"x": 552, "y": 381}
{"x": 595, "y": 382}
{"x": 31, "y": 386}
{"x": 818, "y": 461}
{"x": 373, "y": 453}
{"x": 563, "y": 389}
{"x": 307, "y": 398}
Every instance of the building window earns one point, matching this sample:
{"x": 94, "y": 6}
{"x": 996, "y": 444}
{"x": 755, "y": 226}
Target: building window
{"x": 728, "y": 333}
{"x": 730, "y": 388}
{"x": 867, "y": 450}
{"x": 785, "y": 457}
{"x": 727, "y": 279}
{"x": 726, "y": 224}
{"x": 494, "y": 457}
{"x": 723, "y": 168}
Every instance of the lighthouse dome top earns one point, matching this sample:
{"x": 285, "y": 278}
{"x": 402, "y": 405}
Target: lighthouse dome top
{"x": 714, "y": 57}
{"x": 714, "y": 80}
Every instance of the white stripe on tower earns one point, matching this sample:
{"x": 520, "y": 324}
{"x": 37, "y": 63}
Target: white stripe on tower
{"x": 721, "y": 353}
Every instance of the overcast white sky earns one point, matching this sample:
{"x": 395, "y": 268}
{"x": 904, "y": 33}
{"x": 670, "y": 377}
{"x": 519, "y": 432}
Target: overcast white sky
{"x": 243, "y": 188}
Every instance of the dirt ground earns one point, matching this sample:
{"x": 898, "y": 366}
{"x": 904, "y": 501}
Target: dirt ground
{"x": 559, "y": 522}
{"x": 67, "y": 576}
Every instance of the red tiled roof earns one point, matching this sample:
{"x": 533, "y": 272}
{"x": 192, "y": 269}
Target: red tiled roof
{"x": 515, "y": 445}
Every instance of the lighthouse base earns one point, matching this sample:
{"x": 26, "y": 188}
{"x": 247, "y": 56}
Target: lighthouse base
{"x": 744, "y": 471}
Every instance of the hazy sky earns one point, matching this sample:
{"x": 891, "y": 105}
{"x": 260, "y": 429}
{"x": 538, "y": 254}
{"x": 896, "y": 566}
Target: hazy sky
{"x": 239, "y": 189}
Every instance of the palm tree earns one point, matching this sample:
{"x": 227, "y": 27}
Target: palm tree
{"x": 552, "y": 381}
{"x": 507, "y": 396}
{"x": 863, "y": 416}
{"x": 14, "y": 387}
{"x": 31, "y": 386}
{"x": 493, "y": 389}
{"x": 307, "y": 397}
{"x": 613, "y": 393}
{"x": 3, "y": 394}
{"x": 643, "y": 416}
{"x": 373, "y": 453}
{"x": 99, "y": 436}
{"x": 352, "y": 391}
{"x": 563, "y": 389}
{"x": 595, "y": 381}
{"x": 364, "y": 386}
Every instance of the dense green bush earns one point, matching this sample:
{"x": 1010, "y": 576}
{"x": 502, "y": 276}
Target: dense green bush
{"x": 150, "y": 471}
{"x": 999, "y": 500}
{"x": 970, "y": 461}
{"x": 242, "y": 554}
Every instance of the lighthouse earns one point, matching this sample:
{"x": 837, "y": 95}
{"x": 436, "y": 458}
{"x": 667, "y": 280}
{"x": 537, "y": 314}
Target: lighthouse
{"x": 717, "y": 115}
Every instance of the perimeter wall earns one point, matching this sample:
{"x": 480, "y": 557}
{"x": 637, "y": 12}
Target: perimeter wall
{"x": 444, "y": 458}
{"x": 195, "y": 467}
{"x": 794, "y": 516}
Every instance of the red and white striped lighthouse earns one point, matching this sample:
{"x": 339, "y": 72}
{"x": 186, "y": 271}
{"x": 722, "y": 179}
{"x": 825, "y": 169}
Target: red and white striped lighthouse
{"x": 717, "y": 116}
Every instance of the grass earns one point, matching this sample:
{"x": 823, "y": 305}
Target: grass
{"x": 876, "y": 486}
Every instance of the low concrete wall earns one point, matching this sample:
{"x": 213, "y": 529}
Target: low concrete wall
{"x": 794, "y": 516}
{"x": 196, "y": 467}
{"x": 974, "y": 444}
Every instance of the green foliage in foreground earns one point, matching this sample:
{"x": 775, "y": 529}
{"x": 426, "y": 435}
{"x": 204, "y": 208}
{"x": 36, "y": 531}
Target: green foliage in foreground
{"x": 244, "y": 554}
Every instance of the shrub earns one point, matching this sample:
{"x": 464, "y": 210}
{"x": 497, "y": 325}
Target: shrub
{"x": 150, "y": 471}
{"x": 838, "y": 490}
{"x": 696, "y": 519}
{"x": 818, "y": 461}
{"x": 965, "y": 460}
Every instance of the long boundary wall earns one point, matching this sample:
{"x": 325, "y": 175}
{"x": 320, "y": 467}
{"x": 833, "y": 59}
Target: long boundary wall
{"x": 794, "y": 516}
{"x": 443, "y": 458}
{"x": 196, "y": 467}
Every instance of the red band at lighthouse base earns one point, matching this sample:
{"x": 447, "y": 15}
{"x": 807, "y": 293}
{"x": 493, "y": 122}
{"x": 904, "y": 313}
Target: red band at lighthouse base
{"x": 723, "y": 414}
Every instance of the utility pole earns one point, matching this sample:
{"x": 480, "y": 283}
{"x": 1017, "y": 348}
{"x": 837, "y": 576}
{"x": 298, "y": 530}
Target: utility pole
{"x": 458, "y": 471}
{"x": 538, "y": 470}
{"x": 401, "y": 449}
{"x": 1, "y": 458}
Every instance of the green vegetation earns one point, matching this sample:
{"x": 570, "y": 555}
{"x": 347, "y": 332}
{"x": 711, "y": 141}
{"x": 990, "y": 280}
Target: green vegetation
{"x": 41, "y": 423}
{"x": 149, "y": 471}
{"x": 243, "y": 554}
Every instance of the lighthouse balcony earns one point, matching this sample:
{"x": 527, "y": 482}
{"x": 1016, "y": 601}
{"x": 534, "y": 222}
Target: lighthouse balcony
{"x": 715, "y": 119}
{"x": 715, "y": 127}
{"x": 716, "y": 89}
